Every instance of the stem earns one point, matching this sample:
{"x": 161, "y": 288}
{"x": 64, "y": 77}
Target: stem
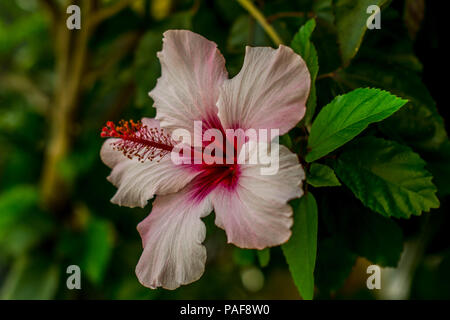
{"x": 71, "y": 54}
{"x": 279, "y": 15}
{"x": 52, "y": 7}
{"x": 250, "y": 7}
{"x": 109, "y": 11}
{"x": 70, "y": 66}
{"x": 329, "y": 74}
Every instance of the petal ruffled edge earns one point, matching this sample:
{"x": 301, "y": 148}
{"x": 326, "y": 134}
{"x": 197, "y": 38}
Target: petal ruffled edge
{"x": 192, "y": 71}
{"x": 172, "y": 237}
{"x": 255, "y": 214}
{"x": 136, "y": 181}
{"x": 270, "y": 91}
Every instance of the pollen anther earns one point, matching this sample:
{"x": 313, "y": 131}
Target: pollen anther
{"x": 139, "y": 141}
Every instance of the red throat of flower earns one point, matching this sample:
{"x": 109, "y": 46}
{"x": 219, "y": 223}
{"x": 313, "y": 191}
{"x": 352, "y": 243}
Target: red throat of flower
{"x": 138, "y": 140}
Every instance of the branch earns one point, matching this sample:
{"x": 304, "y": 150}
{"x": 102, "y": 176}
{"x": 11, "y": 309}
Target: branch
{"x": 279, "y": 15}
{"x": 71, "y": 65}
{"x": 52, "y": 7}
{"x": 329, "y": 74}
{"x": 107, "y": 12}
{"x": 250, "y": 7}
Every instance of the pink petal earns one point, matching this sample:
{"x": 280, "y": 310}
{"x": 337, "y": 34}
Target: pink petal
{"x": 269, "y": 92}
{"x": 192, "y": 71}
{"x": 109, "y": 156}
{"x": 255, "y": 214}
{"x": 136, "y": 181}
{"x": 172, "y": 237}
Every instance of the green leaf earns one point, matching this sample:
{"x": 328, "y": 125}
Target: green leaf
{"x": 300, "y": 250}
{"x": 99, "y": 240}
{"x": 22, "y": 223}
{"x": 320, "y": 175}
{"x": 286, "y": 140}
{"x": 324, "y": 10}
{"x": 346, "y": 116}
{"x": 15, "y": 203}
{"x": 351, "y": 22}
{"x": 31, "y": 279}
{"x": 387, "y": 177}
{"x": 303, "y": 46}
{"x": 263, "y": 257}
{"x": 418, "y": 123}
{"x": 438, "y": 163}
{"x": 243, "y": 257}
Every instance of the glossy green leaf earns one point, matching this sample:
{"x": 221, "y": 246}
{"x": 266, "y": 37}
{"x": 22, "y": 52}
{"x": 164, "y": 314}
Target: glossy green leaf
{"x": 263, "y": 257}
{"x": 351, "y": 22}
{"x": 300, "y": 250}
{"x": 22, "y": 223}
{"x": 99, "y": 240}
{"x": 387, "y": 177}
{"x": 320, "y": 175}
{"x": 438, "y": 164}
{"x": 31, "y": 279}
{"x": 302, "y": 45}
{"x": 16, "y": 202}
{"x": 418, "y": 123}
{"x": 347, "y": 116}
{"x": 243, "y": 257}
{"x": 324, "y": 10}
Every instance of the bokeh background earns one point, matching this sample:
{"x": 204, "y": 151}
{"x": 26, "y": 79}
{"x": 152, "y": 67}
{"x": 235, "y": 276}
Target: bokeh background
{"x": 59, "y": 87}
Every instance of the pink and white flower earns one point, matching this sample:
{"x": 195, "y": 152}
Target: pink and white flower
{"x": 269, "y": 92}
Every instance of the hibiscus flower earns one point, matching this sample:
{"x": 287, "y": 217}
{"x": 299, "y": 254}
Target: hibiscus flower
{"x": 269, "y": 92}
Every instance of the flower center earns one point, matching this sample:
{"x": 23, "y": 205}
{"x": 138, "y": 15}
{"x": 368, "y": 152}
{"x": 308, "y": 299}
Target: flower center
{"x": 212, "y": 176}
{"x": 136, "y": 140}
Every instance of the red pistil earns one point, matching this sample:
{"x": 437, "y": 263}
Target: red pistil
{"x": 138, "y": 140}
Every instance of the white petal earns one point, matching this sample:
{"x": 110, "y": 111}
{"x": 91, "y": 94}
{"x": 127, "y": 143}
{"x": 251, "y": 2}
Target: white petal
{"x": 172, "y": 237}
{"x": 255, "y": 214}
{"x": 136, "y": 181}
{"x": 192, "y": 71}
{"x": 270, "y": 91}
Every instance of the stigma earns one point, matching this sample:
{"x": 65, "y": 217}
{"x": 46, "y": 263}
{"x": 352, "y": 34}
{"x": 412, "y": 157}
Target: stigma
{"x": 136, "y": 140}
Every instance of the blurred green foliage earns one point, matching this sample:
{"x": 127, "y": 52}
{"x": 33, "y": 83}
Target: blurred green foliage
{"x": 39, "y": 240}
